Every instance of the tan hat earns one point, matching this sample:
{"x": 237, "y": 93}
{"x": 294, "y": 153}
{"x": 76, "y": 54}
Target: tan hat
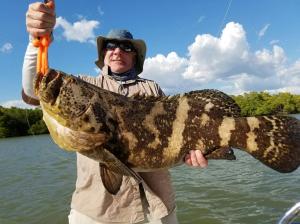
{"x": 122, "y": 35}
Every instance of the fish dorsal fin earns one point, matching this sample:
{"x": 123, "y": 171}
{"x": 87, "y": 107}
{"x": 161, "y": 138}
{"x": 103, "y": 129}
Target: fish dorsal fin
{"x": 112, "y": 171}
{"x": 142, "y": 97}
{"x": 224, "y": 104}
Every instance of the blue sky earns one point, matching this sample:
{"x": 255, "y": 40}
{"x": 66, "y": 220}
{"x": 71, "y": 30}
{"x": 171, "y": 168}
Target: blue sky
{"x": 232, "y": 45}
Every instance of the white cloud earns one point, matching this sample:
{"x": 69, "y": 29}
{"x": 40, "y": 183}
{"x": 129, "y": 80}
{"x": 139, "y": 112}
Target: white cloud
{"x": 16, "y": 103}
{"x": 211, "y": 57}
{"x": 246, "y": 82}
{"x": 167, "y": 70}
{"x": 225, "y": 63}
{"x": 6, "y": 48}
{"x": 263, "y": 31}
{"x": 290, "y": 75}
{"x": 82, "y": 30}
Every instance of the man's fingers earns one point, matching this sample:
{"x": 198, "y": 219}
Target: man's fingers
{"x": 50, "y": 4}
{"x": 193, "y": 158}
{"x": 200, "y": 159}
{"x": 187, "y": 159}
{"x": 40, "y": 14}
{"x": 41, "y": 7}
{"x": 38, "y": 32}
{"x": 40, "y": 19}
{"x": 48, "y": 1}
{"x": 38, "y": 27}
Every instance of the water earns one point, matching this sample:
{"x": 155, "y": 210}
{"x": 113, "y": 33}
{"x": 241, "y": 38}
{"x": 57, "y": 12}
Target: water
{"x": 38, "y": 178}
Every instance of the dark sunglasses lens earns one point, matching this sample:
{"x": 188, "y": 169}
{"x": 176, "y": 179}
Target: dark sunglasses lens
{"x": 127, "y": 47}
{"x": 111, "y": 45}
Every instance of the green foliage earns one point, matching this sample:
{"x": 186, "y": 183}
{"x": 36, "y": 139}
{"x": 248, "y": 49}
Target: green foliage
{"x": 262, "y": 103}
{"x": 19, "y": 122}
{"x": 37, "y": 128}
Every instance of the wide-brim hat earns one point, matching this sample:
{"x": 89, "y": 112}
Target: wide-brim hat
{"x": 122, "y": 35}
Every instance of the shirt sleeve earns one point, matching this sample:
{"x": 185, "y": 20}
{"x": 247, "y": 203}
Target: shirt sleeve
{"x": 28, "y": 75}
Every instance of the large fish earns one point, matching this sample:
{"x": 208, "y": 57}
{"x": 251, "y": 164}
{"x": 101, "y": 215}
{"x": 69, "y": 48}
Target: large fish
{"x": 141, "y": 133}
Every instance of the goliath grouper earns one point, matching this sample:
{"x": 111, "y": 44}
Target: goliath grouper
{"x": 140, "y": 134}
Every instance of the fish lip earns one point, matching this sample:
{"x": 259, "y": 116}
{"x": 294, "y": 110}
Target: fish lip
{"x": 52, "y": 86}
{"x": 226, "y": 153}
{"x": 49, "y": 86}
{"x": 37, "y": 83}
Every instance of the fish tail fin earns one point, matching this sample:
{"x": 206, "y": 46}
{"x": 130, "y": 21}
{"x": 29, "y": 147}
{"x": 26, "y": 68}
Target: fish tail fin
{"x": 274, "y": 140}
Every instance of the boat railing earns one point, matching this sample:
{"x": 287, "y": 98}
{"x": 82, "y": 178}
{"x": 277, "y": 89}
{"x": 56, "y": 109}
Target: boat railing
{"x": 290, "y": 215}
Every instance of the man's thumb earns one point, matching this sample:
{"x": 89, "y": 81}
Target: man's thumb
{"x": 50, "y": 3}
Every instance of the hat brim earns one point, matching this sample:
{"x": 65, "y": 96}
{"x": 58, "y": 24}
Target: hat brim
{"x": 139, "y": 46}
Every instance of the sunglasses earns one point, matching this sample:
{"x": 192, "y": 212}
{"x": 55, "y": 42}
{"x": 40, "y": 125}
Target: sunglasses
{"x": 124, "y": 46}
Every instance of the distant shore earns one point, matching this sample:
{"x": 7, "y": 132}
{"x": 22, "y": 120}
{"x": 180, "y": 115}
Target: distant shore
{"x": 15, "y": 122}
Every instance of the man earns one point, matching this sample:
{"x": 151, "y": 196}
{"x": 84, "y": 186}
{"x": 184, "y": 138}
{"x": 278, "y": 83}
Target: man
{"x": 121, "y": 59}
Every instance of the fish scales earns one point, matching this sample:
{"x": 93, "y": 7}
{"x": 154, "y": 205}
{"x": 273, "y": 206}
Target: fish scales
{"x": 150, "y": 128}
{"x": 151, "y": 133}
{"x": 163, "y": 133}
{"x": 195, "y": 131}
{"x": 249, "y": 134}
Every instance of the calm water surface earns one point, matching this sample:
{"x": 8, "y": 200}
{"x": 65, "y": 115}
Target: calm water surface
{"x": 38, "y": 178}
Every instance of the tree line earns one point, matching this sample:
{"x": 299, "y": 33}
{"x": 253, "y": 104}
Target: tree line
{"x": 20, "y": 122}
{"x": 262, "y": 103}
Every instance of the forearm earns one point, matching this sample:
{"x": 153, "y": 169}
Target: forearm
{"x": 28, "y": 75}
{"x": 40, "y": 21}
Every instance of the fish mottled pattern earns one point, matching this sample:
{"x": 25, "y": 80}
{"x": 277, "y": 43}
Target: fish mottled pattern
{"x": 225, "y": 129}
{"x": 151, "y": 133}
{"x": 277, "y": 144}
{"x": 200, "y": 128}
{"x": 239, "y": 136}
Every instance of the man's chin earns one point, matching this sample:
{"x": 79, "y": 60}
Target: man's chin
{"x": 119, "y": 69}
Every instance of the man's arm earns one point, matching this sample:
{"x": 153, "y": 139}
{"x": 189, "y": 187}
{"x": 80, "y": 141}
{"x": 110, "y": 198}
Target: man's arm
{"x": 28, "y": 74}
{"x": 40, "y": 20}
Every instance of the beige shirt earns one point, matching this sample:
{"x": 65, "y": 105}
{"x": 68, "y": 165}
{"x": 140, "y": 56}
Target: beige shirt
{"x": 92, "y": 199}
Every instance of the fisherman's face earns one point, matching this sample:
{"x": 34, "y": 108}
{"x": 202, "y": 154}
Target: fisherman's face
{"x": 119, "y": 56}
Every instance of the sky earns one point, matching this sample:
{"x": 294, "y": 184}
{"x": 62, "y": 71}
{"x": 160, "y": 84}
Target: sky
{"x": 235, "y": 46}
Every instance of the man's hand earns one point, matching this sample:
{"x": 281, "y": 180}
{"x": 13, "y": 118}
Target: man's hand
{"x": 196, "y": 159}
{"x": 40, "y": 19}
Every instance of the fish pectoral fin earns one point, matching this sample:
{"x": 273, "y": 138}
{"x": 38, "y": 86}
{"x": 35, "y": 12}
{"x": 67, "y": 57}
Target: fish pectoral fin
{"x": 112, "y": 171}
{"x": 111, "y": 180}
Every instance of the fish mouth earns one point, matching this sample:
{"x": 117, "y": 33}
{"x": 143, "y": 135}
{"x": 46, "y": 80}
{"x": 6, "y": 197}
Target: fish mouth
{"x": 226, "y": 153}
{"x": 48, "y": 86}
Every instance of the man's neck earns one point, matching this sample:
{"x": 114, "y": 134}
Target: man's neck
{"x": 128, "y": 75}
